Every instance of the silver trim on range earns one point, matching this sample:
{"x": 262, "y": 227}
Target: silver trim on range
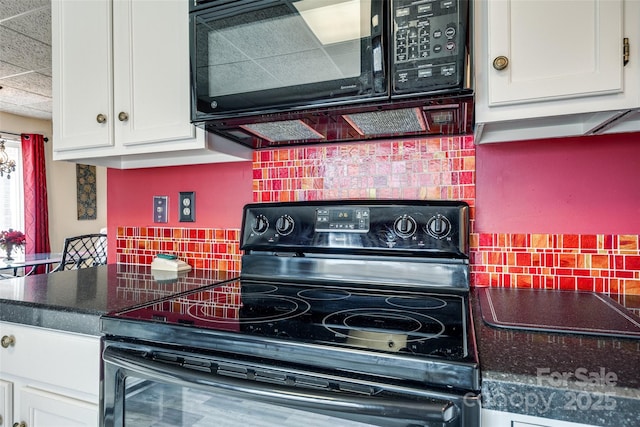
{"x": 421, "y": 273}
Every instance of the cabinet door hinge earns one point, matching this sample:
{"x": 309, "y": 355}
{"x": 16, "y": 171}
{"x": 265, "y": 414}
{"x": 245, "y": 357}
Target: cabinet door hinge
{"x": 625, "y": 51}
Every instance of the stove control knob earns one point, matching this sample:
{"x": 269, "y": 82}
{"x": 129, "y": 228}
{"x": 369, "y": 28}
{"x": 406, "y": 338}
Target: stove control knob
{"x": 405, "y": 226}
{"x": 260, "y": 224}
{"x": 438, "y": 227}
{"x": 284, "y": 225}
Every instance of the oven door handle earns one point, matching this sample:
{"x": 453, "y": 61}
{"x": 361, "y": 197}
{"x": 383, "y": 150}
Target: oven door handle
{"x": 423, "y": 411}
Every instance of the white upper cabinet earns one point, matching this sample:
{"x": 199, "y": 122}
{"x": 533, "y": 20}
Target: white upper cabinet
{"x": 121, "y": 86}
{"x": 554, "y": 49}
{"x": 549, "y": 68}
{"x": 151, "y": 71}
{"x": 82, "y": 74}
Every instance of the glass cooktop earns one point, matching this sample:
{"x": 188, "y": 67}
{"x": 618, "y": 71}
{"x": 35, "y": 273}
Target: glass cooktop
{"x": 380, "y": 320}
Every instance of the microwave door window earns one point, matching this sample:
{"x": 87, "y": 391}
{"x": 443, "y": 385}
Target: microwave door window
{"x": 283, "y": 53}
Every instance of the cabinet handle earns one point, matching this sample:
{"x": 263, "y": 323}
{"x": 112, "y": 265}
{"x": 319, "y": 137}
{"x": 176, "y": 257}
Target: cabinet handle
{"x": 7, "y": 341}
{"x": 101, "y": 118}
{"x": 123, "y": 117}
{"x": 625, "y": 51}
{"x": 500, "y": 62}
{"x": 20, "y": 424}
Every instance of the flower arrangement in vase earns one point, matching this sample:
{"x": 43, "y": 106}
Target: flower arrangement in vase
{"x": 9, "y": 239}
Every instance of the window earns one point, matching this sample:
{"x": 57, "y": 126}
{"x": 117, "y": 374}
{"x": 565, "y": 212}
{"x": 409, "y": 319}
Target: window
{"x": 12, "y": 191}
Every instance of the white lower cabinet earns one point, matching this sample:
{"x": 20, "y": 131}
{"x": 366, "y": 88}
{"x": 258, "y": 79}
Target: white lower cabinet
{"x": 48, "y": 378}
{"x": 6, "y": 402}
{"x": 491, "y": 418}
{"x": 43, "y": 409}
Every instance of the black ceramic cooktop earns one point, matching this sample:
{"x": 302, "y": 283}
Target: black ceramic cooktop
{"x": 390, "y": 321}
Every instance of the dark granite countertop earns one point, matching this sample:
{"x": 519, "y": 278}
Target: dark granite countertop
{"x": 73, "y": 301}
{"x": 580, "y": 378}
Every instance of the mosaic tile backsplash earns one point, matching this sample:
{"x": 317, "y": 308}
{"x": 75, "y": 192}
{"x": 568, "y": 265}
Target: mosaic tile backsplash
{"x": 588, "y": 262}
{"x": 435, "y": 168}
{"x": 202, "y": 248}
{"x": 440, "y": 168}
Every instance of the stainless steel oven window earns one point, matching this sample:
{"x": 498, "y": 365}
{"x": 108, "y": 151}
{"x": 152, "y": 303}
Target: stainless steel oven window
{"x": 151, "y": 403}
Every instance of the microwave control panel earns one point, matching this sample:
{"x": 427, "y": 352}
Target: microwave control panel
{"x": 429, "y": 40}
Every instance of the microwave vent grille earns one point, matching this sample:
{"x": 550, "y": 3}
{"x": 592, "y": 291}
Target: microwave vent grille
{"x": 388, "y": 122}
{"x": 286, "y": 130}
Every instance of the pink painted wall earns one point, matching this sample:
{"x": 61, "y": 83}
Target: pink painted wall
{"x": 569, "y": 186}
{"x": 558, "y": 214}
{"x": 221, "y": 192}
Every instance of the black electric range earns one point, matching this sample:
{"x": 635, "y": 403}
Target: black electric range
{"x": 371, "y": 290}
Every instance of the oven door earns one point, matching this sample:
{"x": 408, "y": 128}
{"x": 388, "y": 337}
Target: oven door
{"x": 146, "y": 386}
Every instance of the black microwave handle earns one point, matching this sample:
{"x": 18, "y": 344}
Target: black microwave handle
{"x": 375, "y": 407}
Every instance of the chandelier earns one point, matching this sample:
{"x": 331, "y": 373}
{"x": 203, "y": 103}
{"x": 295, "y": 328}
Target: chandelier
{"x": 6, "y": 166}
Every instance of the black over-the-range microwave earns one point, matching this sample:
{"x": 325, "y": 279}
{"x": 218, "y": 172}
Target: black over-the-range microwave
{"x": 279, "y": 72}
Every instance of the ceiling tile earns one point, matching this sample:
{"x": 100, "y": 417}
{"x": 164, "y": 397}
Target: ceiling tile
{"x": 45, "y": 71}
{"x": 15, "y": 96}
{"x": 42, "y": 106}
{"x": 25, "y": 58}
{"x": 7, "y": 69}
{"x": 20, "y": 110}
{"x": 29, "y": 82}
{"x": 22, "y": 51}
{"x": 36, "y": 24}
{"x": 9, "y": 8}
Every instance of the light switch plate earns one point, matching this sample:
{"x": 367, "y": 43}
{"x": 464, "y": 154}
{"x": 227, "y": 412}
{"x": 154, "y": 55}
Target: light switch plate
{"x": 187, "y": 206}
{"x": 160, "y": 211}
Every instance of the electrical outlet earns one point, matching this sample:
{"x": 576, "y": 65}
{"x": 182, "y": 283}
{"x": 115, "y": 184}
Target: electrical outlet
{"x": 160, "y": 205}
{"x": 187, "y": 206}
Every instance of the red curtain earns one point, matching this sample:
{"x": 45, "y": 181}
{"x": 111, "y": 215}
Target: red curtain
{"x": 36, "y": 211}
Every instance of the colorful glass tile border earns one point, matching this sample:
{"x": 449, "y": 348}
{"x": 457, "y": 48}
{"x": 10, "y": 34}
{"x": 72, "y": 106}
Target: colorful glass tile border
{"x": 202, "y": 248}
{"x": 607, "y": 264}
{"x": 434, "y": 168}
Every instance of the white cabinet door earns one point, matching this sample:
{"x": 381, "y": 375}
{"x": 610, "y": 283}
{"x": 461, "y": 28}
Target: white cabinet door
{"x": 35, "y": 351}
{"x": 42, "y": 409}
{"x": 555, "y": 49}
{"x": 565, "y": 73}
{"x": 82, "y": 76}
{"x": 151, "y": 71}
{"x": 6, "y": 403}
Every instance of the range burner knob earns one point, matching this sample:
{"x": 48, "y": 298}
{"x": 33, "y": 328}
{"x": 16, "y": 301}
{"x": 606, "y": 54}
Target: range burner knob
{"x": 285, "y": 225}
{"x": 438, "y": 227}
{"x": 260, "y": 224}
{"x": 405, "y": 226}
